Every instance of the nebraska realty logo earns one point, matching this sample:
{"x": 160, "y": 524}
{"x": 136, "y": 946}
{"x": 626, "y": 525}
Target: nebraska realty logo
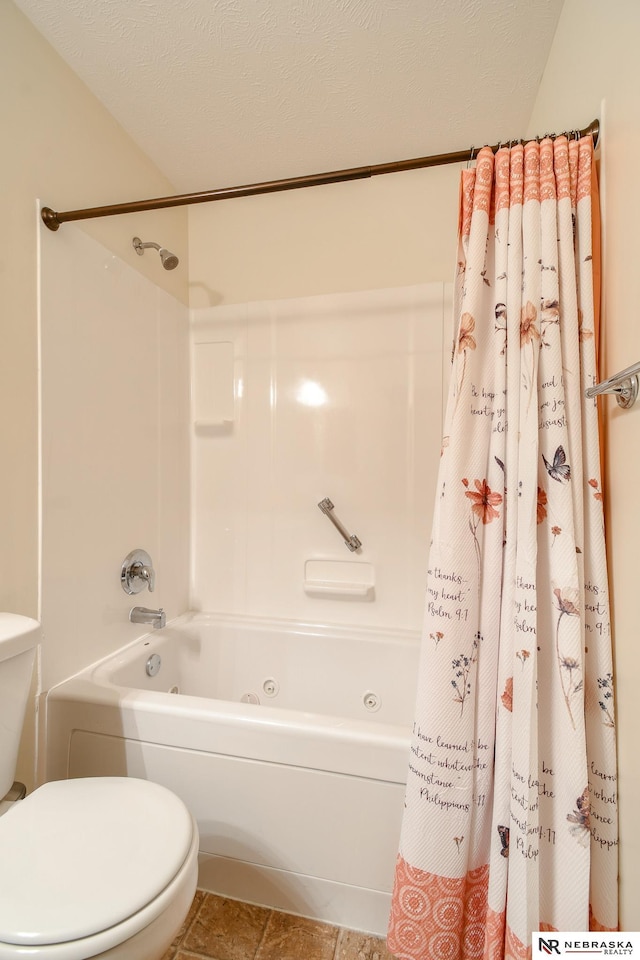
{"x": 583, "y": 944}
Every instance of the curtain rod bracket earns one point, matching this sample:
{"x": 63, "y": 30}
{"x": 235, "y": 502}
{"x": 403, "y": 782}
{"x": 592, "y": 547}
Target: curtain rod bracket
{"x": 50, "y": 218}
{"x": 624, "y": 385}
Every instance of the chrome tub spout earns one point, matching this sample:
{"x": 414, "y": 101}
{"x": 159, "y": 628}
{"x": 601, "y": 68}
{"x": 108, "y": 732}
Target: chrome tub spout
{"x": 157, "y": 618}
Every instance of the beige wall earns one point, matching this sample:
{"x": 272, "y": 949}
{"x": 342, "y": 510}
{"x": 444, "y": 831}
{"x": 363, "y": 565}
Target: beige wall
{"x": 61, "y": 146}
{"x": 595, "y": 57}
{"x": 389, "y": 231}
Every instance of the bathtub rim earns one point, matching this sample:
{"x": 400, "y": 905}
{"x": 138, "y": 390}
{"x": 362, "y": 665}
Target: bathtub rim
{"x": 400, "y": 636}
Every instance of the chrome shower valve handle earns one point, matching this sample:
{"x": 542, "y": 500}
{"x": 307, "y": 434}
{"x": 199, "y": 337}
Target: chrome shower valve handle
{"x": 137, "y": 572}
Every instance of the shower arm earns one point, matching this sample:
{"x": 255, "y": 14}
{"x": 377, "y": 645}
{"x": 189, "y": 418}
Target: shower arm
{"x": 140, "y": 247}
{"x": 350, "y": 540}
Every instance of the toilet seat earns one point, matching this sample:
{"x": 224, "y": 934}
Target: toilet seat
{"x": 89, "y": 860}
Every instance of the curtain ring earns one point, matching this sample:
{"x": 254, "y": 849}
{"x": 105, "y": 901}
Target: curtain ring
{"x": 470, "y": 160}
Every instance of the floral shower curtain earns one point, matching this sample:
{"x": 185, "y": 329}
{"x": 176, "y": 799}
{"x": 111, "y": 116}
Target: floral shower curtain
{"x": 510, "y": 814}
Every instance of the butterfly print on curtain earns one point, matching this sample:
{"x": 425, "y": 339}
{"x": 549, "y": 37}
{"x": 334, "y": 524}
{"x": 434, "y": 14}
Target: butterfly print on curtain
{"x": 559, "y": 469}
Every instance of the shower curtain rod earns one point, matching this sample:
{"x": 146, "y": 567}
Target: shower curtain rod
{"x": 54, "y": 219}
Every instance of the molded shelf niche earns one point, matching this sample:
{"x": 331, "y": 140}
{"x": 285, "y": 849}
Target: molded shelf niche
{"x": 339, "y": 579}
{"x": 213, "y": 387}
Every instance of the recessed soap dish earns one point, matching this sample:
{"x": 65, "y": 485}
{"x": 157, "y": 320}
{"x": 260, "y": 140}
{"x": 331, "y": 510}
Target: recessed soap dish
{"x": 340, "y": 579}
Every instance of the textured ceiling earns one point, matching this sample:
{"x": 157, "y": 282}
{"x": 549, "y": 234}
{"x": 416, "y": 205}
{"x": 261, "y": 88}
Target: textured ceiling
{"x": 226, "y": 92}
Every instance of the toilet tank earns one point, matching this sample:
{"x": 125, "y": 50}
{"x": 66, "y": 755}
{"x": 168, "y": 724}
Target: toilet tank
{"x": 19, "y": 637}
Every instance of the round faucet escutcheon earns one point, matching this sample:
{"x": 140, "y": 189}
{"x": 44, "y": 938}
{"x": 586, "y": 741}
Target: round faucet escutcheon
{"x": 137, "y": 572}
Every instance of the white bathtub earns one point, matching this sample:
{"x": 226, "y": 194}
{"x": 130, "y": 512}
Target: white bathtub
{"x": 298, "y": 797}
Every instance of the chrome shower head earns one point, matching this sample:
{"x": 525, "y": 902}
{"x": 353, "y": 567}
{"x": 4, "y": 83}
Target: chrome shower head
{"x": 169, "y": 260}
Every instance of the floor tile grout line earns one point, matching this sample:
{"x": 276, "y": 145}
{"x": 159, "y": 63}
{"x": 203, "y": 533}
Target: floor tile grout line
{"x": 197, "y": 954}
{"x": 187, "y": 931}
{"x": 264, "y": 933}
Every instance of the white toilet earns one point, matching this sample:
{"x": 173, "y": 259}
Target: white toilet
{"x": 89, "y": 868}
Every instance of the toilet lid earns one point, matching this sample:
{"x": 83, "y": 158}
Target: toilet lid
{"x": 79, "y": 856}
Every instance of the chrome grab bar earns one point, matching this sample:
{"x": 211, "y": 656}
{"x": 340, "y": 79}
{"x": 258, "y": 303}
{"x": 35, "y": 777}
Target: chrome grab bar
{"x": 350, "y": 539}
{"x": 624, "y": 385}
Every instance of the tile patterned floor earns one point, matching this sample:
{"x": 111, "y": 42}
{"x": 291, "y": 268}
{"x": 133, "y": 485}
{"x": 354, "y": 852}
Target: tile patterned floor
{"x": 221, "y": 929}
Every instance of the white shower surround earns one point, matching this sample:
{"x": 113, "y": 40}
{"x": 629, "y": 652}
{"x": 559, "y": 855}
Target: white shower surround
{"x": 335, "y": 396}
{"x": 115, "y": 446}
{"x": 114, "y": 358}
